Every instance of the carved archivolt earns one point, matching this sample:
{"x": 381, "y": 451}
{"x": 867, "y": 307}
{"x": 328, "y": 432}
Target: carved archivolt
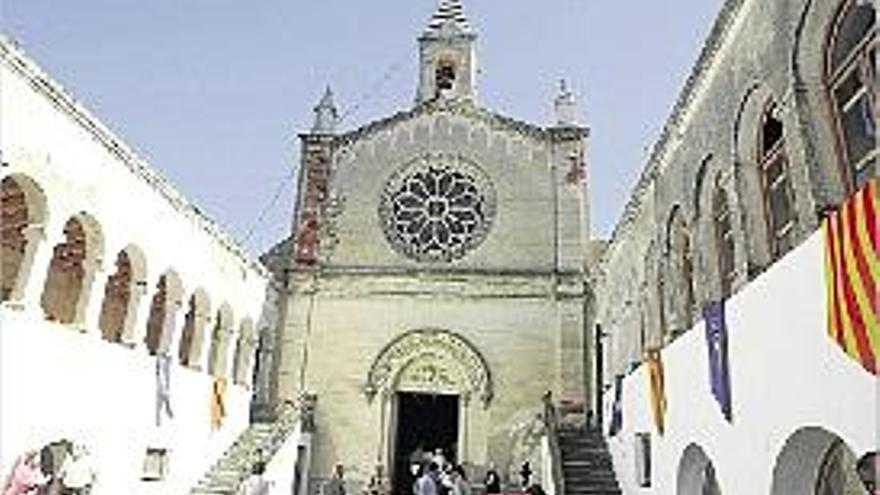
{"x": 430, "y": 360}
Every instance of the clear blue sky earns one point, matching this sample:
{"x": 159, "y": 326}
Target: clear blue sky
{"x": 214, "y": 92}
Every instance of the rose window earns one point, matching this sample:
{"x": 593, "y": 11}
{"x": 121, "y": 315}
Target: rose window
{"x": 437, "y": 209}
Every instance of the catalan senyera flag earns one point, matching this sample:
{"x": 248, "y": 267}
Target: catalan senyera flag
{"x": 657, "y": 388}
{"x": 852, "y": 276}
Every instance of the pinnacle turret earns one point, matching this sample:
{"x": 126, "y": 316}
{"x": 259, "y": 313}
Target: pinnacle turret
{"x": 565, "y": 106}
{"x": 326, "y": 114}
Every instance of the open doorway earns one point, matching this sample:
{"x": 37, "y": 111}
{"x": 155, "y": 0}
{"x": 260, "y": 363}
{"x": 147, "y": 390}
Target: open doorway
{"x": 425, "y": 422}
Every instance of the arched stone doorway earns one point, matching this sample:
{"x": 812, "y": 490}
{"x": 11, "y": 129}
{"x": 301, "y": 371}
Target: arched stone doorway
{"x": 696, "y": 473}
{"x": 432, "y": 384}
{"x": 815, "y": 461}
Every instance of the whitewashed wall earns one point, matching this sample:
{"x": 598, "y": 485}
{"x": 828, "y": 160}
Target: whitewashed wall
{"x": 64, "y": 381}
{"x": 58, "y": 383}
{"x": 786, "y": 374}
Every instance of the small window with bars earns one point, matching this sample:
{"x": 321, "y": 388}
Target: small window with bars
{"x": 155, "y": 464}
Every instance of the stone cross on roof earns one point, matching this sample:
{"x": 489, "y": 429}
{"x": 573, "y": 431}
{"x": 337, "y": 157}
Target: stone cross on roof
{"x": 448, "y": 19}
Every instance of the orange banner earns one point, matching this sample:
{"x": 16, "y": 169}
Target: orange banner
{"x": 654, "y": 362}
{"x": 218, "y": 402}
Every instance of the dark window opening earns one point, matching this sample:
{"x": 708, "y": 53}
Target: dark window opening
{"x": 445, "y": 77}
{"x": 775, "y": 184}
{"x": 771, "y": 132}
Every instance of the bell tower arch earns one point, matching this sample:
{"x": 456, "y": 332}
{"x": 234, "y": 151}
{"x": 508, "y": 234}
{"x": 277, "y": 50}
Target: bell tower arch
{"x": 447, "y": 56}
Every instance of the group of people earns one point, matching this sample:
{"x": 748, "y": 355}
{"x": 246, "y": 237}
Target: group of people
{"x": 59, "y": 468}
{"x": 446, "y": 479}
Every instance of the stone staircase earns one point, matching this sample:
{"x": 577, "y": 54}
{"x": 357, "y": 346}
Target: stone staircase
{"x": 586, "y": 463}
{"x": 259, "y": 442}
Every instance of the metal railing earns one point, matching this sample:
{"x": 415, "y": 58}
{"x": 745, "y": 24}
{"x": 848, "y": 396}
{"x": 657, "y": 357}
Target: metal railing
{"x": 550, "y": 418}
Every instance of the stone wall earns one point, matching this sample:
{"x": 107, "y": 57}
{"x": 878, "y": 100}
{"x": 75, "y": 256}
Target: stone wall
{"x": 517, "y": 297}
{"x": 758, "y": 53}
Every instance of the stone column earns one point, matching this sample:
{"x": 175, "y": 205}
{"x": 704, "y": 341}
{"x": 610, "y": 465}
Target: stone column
{"x": 227, "y": 349}
{"x": 94, "y": 286}
{"x": 136, "y": 319}
{"x": 385, "y": 401}
{"x": 203, "y": 334}
{"x": 464, "y": 428}
{"x": 170, "y": 329}
{"x": 34, "y": 236}
{"x": 32, "y": 286}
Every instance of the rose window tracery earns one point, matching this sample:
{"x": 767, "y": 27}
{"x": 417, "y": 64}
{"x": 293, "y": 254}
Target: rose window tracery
{"x": 437, "y": 209}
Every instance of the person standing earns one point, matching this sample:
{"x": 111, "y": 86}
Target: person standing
{"x": 256, "y": 484}
{"x": 439, "y": 459}
{"x": 427, "y": 483}
{"x": 461, "y": 485}
{"x": 493, "y": 481}
{"x": 25, "y": 477}
{"x": 336, "y": 484}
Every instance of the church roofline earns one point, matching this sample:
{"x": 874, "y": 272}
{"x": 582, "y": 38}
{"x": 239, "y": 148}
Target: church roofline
{"x": 708, "y": 56}
{"x": 493, "y": 119}
{"x": 17, "y": 59}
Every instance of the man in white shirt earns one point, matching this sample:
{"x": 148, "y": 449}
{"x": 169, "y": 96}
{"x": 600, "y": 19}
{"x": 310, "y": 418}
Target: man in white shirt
{"x": 427, "y": 484}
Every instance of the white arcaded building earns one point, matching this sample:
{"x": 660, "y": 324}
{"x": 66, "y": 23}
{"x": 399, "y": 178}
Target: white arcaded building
{"x": 106, "y": 267}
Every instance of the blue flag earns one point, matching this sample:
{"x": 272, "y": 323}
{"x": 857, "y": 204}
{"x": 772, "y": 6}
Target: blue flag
{"x": 617, "y": 408}
{"x": 163, "y": 387}
{"x": 719, "y": 370}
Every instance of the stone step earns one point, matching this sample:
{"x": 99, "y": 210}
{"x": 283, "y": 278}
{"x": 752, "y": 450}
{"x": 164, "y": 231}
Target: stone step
{"x": 587, "y": 467}
{"x": 233, "y": 467}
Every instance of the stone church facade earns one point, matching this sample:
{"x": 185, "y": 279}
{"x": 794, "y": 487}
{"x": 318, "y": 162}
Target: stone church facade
{"x": 441, "y": 280}
{"x": 438, "y": 258}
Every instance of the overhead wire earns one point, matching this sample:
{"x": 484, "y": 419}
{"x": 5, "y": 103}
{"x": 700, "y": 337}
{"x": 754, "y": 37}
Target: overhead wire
{"x": 350, "y": 111}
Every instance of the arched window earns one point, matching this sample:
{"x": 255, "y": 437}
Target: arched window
{"x": 244, "y": 352}
{"x": 13, "y": 221}
{"x": 190, "y": 348}
{"x": 217, "y": 358}
{"x": 680, "y": 293}
{"x": 117, "y": 296}
{"x": 851, "y": 75}
{"x": 22, "y": 217}
{"x": 156, "y": 322}
{"x": 775, "y": 183}
{"x": 724, "y": 242}
{"x": 65, "y": 282}
{"x": 162, "y": 311}
{"x": 189, "y": 328}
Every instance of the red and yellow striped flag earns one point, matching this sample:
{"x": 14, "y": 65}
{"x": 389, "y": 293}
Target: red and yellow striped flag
{"x": 852, "y": 276}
